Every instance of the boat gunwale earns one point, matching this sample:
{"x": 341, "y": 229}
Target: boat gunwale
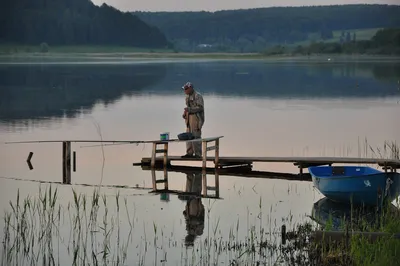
{"x": 351, "y": 177}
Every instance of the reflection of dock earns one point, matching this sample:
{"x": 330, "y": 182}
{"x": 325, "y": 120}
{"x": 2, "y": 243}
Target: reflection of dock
{"x": 199, "y": 178}
{"x": 234, "y": 171}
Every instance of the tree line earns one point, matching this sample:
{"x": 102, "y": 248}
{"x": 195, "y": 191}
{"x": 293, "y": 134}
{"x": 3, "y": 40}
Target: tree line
{"x": 74, "y": 22}
{"x": 385, "y": 41}
{"x": 252, "y": 30}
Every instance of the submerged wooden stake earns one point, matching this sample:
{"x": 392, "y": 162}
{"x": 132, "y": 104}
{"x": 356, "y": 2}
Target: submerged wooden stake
{"x": 28, "y": 161}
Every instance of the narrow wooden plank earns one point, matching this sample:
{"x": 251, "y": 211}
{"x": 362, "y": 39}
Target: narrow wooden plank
{"x": 298, "y": 160}
{"x": 161, "y": 150}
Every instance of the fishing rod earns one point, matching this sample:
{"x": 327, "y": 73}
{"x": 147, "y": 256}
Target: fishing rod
{"x": 107, "y": 142}
{"x": 110, "y": 144}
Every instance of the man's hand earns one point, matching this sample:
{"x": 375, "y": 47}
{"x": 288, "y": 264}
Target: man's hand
{"x": 184, "y": 113}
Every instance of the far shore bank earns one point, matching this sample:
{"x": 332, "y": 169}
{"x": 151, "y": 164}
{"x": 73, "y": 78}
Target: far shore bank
{"x": 126, "y": 57}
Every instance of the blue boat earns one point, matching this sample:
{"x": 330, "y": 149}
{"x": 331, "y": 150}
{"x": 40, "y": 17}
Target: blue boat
{"x": 358, "y": 185}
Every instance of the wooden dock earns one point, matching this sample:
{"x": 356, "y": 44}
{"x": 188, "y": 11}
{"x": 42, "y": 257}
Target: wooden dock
{"x": 298, "y": 161}
{"x": 208, "y": 144}
{"x": 239, "y": 162}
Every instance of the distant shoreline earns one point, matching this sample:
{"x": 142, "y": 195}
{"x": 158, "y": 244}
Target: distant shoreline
{"x": 14, "y": 52}
{"x": 122, "y": 57}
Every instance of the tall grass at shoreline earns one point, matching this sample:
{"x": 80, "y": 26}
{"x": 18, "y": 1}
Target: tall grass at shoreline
{"x": 88, "y": 231}
{"x": 85, "y": 231}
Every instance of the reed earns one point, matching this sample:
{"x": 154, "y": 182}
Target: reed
{"x": 43, "y": 230}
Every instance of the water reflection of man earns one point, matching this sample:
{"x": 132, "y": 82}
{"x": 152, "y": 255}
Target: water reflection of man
{"x": 194, "y": 209}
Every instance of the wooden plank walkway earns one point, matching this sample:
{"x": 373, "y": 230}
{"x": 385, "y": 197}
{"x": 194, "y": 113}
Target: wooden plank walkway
{"x": 301, "y": 162}
{"x": 297, "y": 160}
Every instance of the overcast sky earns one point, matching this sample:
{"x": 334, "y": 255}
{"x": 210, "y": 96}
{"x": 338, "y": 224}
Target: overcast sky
{"x": 212, "y": 5}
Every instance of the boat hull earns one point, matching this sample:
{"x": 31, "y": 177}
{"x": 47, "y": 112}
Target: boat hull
{"x": 367, "y": 186}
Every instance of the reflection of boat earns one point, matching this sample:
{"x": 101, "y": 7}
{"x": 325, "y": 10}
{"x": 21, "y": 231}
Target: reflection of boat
{"x": 327, "y": 212}
{"x": 356, "y": 184}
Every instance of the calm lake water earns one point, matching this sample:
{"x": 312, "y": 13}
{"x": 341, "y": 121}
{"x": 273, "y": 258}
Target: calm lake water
{"x": 262, "y": 108}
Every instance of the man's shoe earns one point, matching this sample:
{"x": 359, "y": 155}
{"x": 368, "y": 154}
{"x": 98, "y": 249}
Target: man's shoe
{"x": 187, "y": 156}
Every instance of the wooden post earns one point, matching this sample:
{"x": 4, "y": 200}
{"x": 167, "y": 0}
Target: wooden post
{"x": 74, "y": 160}
{"x": 216, "y": 162}
{"x": 204, "y": 183}
{"x": 165, "y": 178}
{"x": 165, "y": 154}
{"x": 204, "y": 154}
{"x": 153, "y": 178}
{"x": 66, "y": 161}
{"x": 217, "y": 183}
{"x": 153, "y": 155}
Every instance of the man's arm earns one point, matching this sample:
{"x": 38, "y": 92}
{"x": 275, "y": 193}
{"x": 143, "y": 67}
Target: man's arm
{"x": 199, "y": 102}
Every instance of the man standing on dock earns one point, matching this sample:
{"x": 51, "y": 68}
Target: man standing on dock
{"x": 194, "y": 119}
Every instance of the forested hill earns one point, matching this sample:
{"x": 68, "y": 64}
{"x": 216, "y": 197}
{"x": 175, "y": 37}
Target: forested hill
{"x": 74, "y": 22}
{"x": 269, "y": 26}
